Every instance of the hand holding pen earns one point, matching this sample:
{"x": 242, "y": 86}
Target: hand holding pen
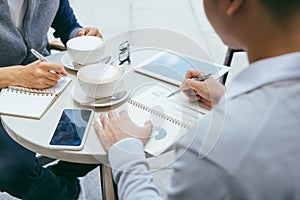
{"x": 199, "y": 78}
{"x": 43, "y": 59}
{"x": 209, "y": 90}
{"x": 39, "y": 75}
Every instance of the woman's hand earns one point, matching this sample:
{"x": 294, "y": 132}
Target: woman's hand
{"x": 209, "y": 91}
{"x": 39, "y": 75}
{"x": 115, "y": 128}
{"x": 89, "y": 31}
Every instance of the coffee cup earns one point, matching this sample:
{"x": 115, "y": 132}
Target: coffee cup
{"x": 85, "y": 50}
{"x": 99, "y": 80}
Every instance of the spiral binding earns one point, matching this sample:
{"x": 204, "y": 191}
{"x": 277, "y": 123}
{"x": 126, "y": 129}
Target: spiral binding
{"x": 30, "y": 91}
{"x": 159, "y": 114}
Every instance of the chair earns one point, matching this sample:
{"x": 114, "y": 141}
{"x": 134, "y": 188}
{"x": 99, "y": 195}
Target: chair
{"x": 228, "y": 60}
{"x": 56, "y": 45}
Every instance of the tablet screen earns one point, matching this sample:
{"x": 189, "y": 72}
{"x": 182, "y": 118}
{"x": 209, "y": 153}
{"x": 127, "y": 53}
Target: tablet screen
{"x": 173, "y": 68}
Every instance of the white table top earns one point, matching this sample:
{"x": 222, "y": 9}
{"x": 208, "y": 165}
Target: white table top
{"x": 35, "y": 134}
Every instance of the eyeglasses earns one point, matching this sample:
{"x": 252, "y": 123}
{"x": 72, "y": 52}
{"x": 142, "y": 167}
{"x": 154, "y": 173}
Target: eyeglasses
{"x": 124, "y": 55}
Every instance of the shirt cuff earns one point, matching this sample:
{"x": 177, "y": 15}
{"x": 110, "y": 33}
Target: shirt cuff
{"x": 74, "y": 33}
{"x": 125, "y": 151}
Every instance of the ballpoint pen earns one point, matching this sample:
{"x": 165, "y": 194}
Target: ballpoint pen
{"x": 41, "y": 58}
{"x": 38, "y": 55}
{"x": 200, "y": 78}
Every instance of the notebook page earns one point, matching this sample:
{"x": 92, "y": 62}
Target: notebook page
{"x": 27, "y": 104}
{"x": 176, "y": 106}
{"x": 195, "y": 106}
{"x": 165, "y": 130}
{"x": 24, "y": 104}
{"x": 164, "y": 133}
{"x": 61, "y": 84}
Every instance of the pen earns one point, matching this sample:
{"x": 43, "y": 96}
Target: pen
{"x": 38, "y": 55}
{"x": 200, "y": 78}
{"x": 41, "y": 58}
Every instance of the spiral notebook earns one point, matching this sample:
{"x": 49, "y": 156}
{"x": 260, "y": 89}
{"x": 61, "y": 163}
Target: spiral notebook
{"x": 171, "y": 117}
{"x": 30, "y": 103}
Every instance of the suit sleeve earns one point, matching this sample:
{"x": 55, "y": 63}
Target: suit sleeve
{"x": 197, "y": 178}
{"x": 131, "y": 171}
{"x": 65, "y": 23}
{"x": 193, "y": 178}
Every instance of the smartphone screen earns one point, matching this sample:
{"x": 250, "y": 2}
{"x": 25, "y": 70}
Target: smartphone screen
{"x": 71, "y": 128}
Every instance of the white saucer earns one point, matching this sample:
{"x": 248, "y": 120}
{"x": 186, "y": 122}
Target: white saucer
{"x": 67, "y": 61}
{"x": 80, "y": 97}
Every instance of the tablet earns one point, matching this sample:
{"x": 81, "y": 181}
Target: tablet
{"x": 172, "y": 68}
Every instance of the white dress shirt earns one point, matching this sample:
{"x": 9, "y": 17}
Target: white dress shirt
{"x": 17, "y": 11}
{"x": 247, "y": 147}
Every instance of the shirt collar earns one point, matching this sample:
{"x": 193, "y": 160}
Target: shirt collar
{"x": 263, "y": 72}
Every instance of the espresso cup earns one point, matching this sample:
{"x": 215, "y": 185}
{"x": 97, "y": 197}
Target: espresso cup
{"x": 99, "y": 80}
{"x": 85, "y": 50}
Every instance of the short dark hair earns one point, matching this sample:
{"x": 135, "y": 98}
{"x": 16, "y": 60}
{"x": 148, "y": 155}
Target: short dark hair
{"x": 282, "y": 9}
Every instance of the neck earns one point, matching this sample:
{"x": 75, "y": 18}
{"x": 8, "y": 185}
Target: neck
{"x": 273, "y": 41}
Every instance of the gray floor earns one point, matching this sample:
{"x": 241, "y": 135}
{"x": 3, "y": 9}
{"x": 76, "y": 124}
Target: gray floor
{"x": 115, "y": 16}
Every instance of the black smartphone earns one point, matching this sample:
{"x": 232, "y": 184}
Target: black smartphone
{"x": 72, "y": 129}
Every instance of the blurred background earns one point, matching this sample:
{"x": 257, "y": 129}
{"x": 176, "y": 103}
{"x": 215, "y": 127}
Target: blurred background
{"x": 186, "y": 17}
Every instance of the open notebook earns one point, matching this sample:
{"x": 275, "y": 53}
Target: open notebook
{"x": 30, "y": 103}
{"x": 171, "y": 117}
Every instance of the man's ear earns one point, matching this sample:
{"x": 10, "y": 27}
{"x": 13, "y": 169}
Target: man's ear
{"x": 234, "y": 6}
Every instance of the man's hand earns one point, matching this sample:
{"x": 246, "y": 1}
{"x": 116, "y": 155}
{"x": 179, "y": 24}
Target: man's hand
{"x": 115, "y": 128}
{"x": 89, "y": 31}
{"x": 40, "y": 75}
{"x": 209, "y": 91}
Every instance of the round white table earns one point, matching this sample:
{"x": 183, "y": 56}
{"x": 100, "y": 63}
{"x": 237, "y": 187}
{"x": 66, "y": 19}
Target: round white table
{"x": 35, "y": 134}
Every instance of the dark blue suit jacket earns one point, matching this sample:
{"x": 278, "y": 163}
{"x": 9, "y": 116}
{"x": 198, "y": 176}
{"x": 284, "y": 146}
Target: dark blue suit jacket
{"x": 65, "y": 21}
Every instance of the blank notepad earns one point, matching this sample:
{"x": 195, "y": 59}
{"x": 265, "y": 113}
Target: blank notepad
{"x": 30, "y": 103}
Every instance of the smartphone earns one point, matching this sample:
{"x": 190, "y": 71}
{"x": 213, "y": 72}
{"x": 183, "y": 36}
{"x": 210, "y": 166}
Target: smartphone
{"x": 72, "y": 129}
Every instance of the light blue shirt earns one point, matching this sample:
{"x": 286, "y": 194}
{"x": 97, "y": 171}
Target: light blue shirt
{"x": 247, "y": 147}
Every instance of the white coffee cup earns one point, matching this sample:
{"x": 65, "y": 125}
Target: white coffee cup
{"x": 86, "y": 50}
{"x": 99, "y": 80}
